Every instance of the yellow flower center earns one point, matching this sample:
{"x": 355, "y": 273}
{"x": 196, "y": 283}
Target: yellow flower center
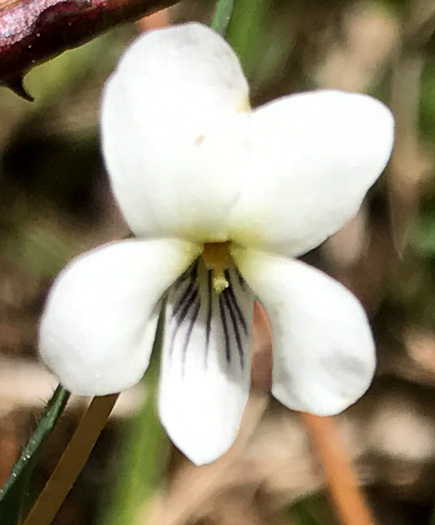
{"x": 217, "y": 258}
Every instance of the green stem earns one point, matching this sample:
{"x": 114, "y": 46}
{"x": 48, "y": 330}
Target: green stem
{"x": 222, "y": 15}
{"x": 11, "y": 495}
{"x": 246, "y": 32}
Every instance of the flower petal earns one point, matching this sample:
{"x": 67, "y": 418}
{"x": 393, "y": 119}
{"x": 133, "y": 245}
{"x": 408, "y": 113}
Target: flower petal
{"x": 314, "y": 155}
{"x": 99, "y": 322}
{"x": 172, "y": 128}
{"x": 206, "y": 365}
{"x": 324, "y": 355}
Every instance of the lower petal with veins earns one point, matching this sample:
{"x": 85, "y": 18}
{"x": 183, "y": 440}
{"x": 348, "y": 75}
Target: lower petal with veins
{"x": 206, "y": 362}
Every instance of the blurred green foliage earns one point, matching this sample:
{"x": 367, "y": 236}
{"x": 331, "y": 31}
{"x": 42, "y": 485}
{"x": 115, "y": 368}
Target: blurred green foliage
{"x": 313, "y": 510}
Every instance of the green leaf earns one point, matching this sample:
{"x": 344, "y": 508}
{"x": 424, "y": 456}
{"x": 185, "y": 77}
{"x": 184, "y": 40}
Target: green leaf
{"x": 245, "y": 31}
{"x": 13, "y": 494}
{"x": 222, "y": 15}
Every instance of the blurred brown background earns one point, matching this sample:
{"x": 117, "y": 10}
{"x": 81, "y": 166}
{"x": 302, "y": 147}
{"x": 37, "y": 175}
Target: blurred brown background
{"x": 55, "y": 203}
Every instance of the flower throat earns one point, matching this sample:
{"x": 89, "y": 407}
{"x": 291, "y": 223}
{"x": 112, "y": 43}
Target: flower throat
{"x": 217, "y": 258}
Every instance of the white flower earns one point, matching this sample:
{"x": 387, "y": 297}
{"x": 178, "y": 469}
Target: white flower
{"x": 221, "y": 199}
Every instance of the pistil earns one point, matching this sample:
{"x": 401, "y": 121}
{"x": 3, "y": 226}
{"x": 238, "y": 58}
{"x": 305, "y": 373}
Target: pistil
{"x": 216, "y": 256}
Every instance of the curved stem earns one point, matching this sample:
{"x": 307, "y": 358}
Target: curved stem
{"x": 14, "y": 492}
{"x": 72, "y": 461}
{"x": 44, "y": 428}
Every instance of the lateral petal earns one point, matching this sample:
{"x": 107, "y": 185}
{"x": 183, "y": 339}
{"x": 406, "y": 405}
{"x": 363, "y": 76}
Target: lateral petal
{"x": 314, "y": 156}
{"x": 206, "y": 364}
{"x": 98, "y": 326}
{"x": 324, "y": 354}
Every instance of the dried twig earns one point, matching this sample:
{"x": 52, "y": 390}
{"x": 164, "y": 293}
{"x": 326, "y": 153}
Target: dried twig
{"x": 33, "y": 31}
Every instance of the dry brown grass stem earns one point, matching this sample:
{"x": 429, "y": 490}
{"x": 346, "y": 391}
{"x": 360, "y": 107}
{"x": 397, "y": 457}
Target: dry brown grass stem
{"x": 341, "y": 480}
{"x": 72, "y": 461}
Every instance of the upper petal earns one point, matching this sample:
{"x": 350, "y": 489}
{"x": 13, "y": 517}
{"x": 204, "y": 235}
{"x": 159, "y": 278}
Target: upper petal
{"x": 323, "y": 350}
{"x": 206, "y": 363}
{"x": 98, "y": 326}
{"x": 172, "y": 132}
{"x": 314, "y": 156}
